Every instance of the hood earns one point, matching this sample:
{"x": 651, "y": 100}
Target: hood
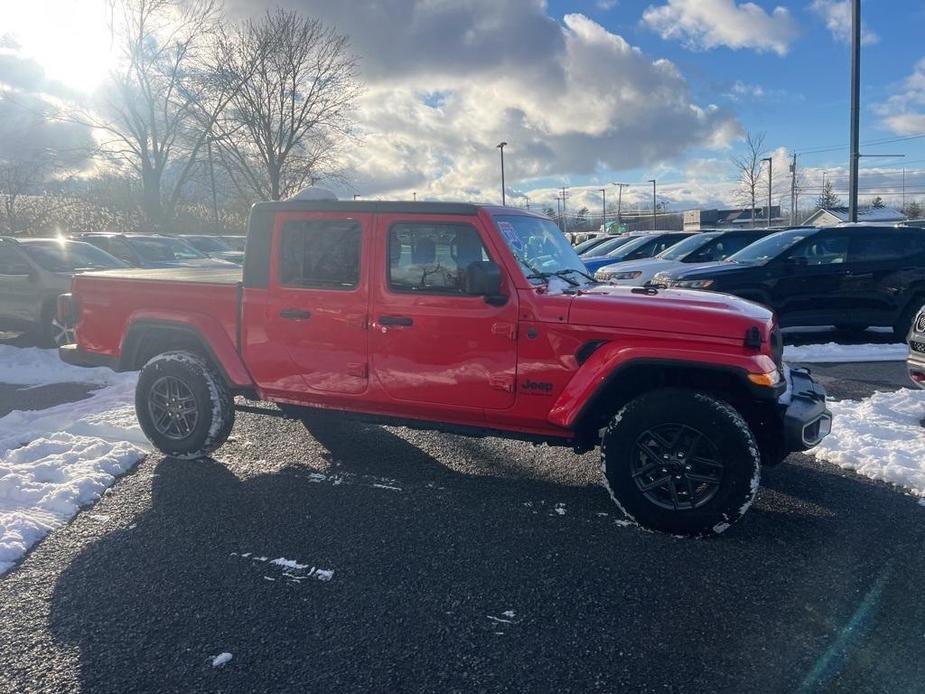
{"x": 197, "y": 262}
{"x": 647, "y": 265}
{"x": 708, "y": 270}
{"x": 668, "y": 311}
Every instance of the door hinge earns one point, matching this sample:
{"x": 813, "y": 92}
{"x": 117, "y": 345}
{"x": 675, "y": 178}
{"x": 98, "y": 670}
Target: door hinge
{"x": 504, "y": 383}
{"x": 508, "y": 330}
{"x": 359, "y": 370}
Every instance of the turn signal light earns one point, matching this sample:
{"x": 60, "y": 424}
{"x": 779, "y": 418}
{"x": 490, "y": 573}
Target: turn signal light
{"x": 771, "y": 378}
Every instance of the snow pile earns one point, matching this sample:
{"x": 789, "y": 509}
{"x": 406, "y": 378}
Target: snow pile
{"x": 54, "y": 461}
{"x": 880, "y": 437}
{"x": 31, "y": 366}
{"x": 833, "y": 352}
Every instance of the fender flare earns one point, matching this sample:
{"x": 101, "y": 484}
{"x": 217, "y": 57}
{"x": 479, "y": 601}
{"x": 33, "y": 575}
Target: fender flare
{"x": 204, "y": 330}
{"x": 609, "y": 361}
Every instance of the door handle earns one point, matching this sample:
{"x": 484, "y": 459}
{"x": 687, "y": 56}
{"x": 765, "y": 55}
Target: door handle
{"x": 295, "y": 314}
{"x": 402, "y": 321}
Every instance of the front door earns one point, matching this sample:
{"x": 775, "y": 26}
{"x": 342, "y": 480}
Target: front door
{"x": 430, "y": 342}
{"x": 316, "y": 306}
{"x": 808, "y": 286}
{"x": 17, "y": 286}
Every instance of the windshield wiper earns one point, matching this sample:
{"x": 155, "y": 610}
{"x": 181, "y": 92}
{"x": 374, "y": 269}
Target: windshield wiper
{"x": 559, "y": 273}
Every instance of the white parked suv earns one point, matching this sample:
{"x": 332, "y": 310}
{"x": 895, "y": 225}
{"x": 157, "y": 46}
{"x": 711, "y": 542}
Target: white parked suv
{"x": 916, "y": 361}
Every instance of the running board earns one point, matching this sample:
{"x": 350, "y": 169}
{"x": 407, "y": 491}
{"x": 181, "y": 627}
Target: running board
{"x": 267, "y": 411}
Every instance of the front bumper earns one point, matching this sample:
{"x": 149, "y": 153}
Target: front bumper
{"x": 916, "y": 360}
{"x": 805, "y": 418}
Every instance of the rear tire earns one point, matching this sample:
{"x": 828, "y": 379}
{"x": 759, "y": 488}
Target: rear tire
{"x": 681, "y": 462}
{"x": 183, "y": 405}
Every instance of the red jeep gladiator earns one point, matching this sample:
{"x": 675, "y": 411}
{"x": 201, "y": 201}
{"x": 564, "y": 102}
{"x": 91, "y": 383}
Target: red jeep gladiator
{"x": 463, "y": 318}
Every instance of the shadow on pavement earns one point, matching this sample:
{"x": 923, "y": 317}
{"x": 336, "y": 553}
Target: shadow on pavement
{"x": 424, "y": 575}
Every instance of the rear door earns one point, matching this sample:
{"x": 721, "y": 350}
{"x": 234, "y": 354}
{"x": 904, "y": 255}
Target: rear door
{"x": 430, "y": 342}
{"x": 881, "y": 265}
{"x": 316, "y": 307}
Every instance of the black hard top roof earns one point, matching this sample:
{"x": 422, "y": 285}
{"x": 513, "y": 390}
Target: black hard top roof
{"x": 387, "y": 207}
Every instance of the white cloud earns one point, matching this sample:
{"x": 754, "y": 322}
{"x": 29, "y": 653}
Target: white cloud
{"x": 705, "y": 24}
{"x": 837, "y": 17}
{"x": 904, "y": 112}
{"x": 570, "y": 97}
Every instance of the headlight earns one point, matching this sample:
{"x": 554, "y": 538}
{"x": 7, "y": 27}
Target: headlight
{"x": 626, "y": 275}
{"x": 694, "y": 284}
{"x": 661, "y": 278}
{"x": 602, "y": 276}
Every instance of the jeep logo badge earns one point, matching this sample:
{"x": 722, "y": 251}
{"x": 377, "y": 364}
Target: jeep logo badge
{"x": 538, "y": 387}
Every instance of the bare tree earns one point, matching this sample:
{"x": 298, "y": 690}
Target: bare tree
{"x": 750, "y": 171}
{"x": 282, "y": 127}
{"x": 156, "y": 112}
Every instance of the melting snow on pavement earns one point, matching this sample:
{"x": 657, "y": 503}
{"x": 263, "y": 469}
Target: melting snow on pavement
{"x": 55, "y": 460}
{"x": 880, "y": 437}
{"x": 832, "y": 352}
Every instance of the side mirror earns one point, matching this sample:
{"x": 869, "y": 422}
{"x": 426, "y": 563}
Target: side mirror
{"x": 483, "y": 278}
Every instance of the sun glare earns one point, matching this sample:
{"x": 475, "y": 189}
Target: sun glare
{"x": 68, "y": 38}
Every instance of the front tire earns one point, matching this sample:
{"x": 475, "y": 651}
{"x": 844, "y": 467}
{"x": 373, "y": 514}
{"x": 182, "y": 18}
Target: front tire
{"x": 183, "y": 405}
{"x": 681, "y": 462}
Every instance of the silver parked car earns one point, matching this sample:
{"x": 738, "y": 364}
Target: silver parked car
{"x": 33, "y": 272}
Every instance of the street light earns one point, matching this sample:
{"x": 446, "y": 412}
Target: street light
{"x": 770, "y": 179}
{"x": 501, "y": 146}
{"x": 603, "y": 208}
{"x": 620, "y": 187}
{"x": 654, "y": 206}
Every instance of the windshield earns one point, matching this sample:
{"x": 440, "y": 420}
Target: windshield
{"x": 236, "y": 243}
{"x": 157, "y": 248}
{"x": 69, "y": 256}
{"x": 770, "y": 246}
{"x": 630, "y": 247}
{"x": 612, "y": 245}
{"x": 591, "y": 243}
{"x": 686, "y": 247}
{"x": 540, "y": 247}
{"x": 208, "y": 244}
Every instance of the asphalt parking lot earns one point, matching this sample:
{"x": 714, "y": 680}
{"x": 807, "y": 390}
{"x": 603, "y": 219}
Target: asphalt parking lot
{"x": 462, "y": 565}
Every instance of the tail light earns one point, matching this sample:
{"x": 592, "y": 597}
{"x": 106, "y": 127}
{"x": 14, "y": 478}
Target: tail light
{"x": 68, "y": 309}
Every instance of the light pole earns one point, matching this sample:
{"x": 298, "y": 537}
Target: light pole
{"x": 501, "y": 147}
{"x": 654, "y": 206}
{"x": 603, "y": 208}
{"x": 620, "y": 187}
{"x": 770, "y": 180}
{"x": 855, "y": 110}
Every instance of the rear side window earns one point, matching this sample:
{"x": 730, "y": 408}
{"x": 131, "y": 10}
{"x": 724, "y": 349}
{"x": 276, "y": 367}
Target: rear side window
{"x": 885, "y": 245}
{"x": 320, "y": 253}
{"x": 12, "y": 263}
{"x": 432, "y": 258}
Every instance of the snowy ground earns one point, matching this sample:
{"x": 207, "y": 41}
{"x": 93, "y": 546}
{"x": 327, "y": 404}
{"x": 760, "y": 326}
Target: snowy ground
{"x": 55, "y": 460}
{"x": 880, "y": 437}
{"x": 833, "y": 353}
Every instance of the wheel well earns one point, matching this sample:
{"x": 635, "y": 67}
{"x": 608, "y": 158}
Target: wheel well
{"x": 632, "y": 381}
{"x": 146, "y": 341}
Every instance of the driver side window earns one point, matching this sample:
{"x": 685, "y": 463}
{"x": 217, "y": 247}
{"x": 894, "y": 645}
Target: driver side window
{"x": 432, "y": 258}
{"x": 821, "y": 250}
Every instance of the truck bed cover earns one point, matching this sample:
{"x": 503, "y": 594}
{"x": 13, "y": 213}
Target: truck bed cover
{"x": 231, "y": 275}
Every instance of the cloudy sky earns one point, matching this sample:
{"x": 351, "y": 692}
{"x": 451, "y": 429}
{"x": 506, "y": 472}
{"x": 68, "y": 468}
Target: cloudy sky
{"x": 587, "y": 92}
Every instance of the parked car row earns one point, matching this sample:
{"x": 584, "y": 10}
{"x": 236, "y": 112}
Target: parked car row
{"x": 852, "y": 277}
{"x": 34, "y": 271}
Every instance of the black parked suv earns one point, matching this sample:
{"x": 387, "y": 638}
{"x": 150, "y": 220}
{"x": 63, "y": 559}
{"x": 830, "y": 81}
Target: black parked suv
{"x": 851, "y": 277}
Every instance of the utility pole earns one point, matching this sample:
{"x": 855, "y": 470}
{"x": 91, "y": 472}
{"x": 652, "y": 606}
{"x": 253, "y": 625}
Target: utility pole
{"x": 770, "y": 180}
{"x": 793, "y": 190}
{"x": 855, "y": 110}
{"x": 654, "y": 206}
{"x": 603, "y": 208}
{"x": 501, "y": 146}
{"x": 559, "y": 211}
{"x": 620, "y": 187}
{"x": 903, "y": 209}
{"x": 212, "y": 179}
{"x": 564, "y": 217}
{"x": 414, "y": 196}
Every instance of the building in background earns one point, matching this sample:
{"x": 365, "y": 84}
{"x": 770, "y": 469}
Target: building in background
{"x": 866, "y": 215}
{"x": 695, "y": 220}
